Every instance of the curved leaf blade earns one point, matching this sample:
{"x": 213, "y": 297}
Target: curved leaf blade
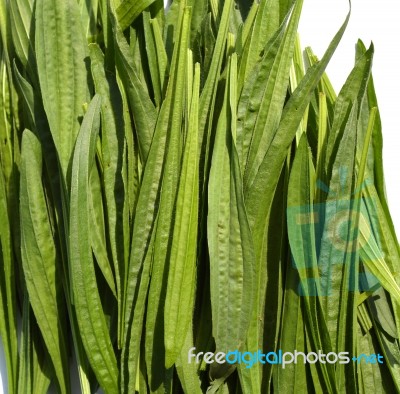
{"x": 91, "y": 320}
{"x": 129, "y": 10}
{"x": 61, "y": 55}
{"x": 39, "y": 257}
{"x": 228, "y": 233}
{"x": 181, "y": 276}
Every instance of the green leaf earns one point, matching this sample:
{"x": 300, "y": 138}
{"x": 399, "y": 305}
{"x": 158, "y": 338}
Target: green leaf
{"x": 264, "y": 26}
{"x": 187, "y": 372}
{"x": 90, "y": 316}
{"x": 252, "y": 96}
{"x": 228, "y": 232}
{"x": 199, "y": 12}
{"x": 129, "y": 10}
{"x": 34, "y": 107}
{"x": 115, "y": 180}
{"x": 137, "y": 271}
{"x": 61, "y": 55}
{"x": 25, "y": 371}
{"x": 270, "y": 92}
{"x": 133, "y": 332}
{"x": 179, "y": 300}
{"x": 159, "y": 377}
{"x": 8, "y": 311}
{"x": 42, "y": 372}
{"x": 342, "y": 201}
{"x": 156, "y": 56}
{"x": 27, "y": 93}
{"x": 292, "y": 336}
{"x": 39, "y": 259}
{"x": 34, "y": 373}
{"x": 21, "y": 21}
{"x": 291, "y": 116}
{"x": 7, "y": 139}
{"x": 371, "y": 256}
{"x": 370, "y": 375}
{"x": 88, "y": 13}
{"x": 98, "y": 229}
{"x": 144, "y": 113}
{"x": 300, "y": 217}
{"x": 162, "y": 58}
{"x": 208, "y": 94}
{"x": 258, "y": 199}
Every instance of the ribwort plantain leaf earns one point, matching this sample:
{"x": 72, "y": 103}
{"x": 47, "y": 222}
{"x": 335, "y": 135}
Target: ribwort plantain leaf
{"x": 91, "y": 320}
{"x": 61, "y": 56}
{"x": 40, "y": 263}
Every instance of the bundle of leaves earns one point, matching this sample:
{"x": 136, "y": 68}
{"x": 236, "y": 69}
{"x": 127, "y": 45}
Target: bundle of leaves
{"x": 188, "y": 178}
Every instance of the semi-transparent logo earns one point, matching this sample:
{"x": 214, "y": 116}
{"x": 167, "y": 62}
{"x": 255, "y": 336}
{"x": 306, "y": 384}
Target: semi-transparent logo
{"x": 326, "y": 236}
{"x": 249, "y": 359}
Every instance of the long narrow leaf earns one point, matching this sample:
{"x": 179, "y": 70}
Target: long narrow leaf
{"x": 40, "y": 263}
{"x": 91, "y": 320}
{"x": 61, "y": 55}
{"x": 181, "y": 277}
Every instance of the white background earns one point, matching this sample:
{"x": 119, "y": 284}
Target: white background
{"x": 376, "y": 20}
